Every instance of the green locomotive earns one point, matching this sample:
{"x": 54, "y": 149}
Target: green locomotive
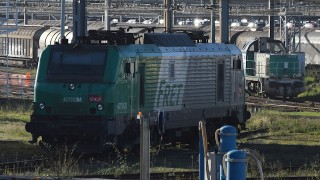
{"x": 271, "y": 70}
{"x": 89, "y": 94}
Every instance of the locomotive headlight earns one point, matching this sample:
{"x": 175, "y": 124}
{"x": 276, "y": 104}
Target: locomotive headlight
{"x": 72, "y": 86}
{"x": 100, "y": 107}
{"x": 41, "y": 106}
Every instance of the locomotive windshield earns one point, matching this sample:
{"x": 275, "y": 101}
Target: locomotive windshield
{"x": 77, "y": 63}
{"x": 276, "y": 46}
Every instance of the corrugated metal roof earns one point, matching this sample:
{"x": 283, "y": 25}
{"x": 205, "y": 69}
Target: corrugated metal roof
{"x": 24, "y": 32}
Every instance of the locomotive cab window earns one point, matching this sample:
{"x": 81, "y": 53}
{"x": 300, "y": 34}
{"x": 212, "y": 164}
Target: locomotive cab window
{"x": 77, "y": 63}
{"x": 236, "y": 63}
{"x": 276, "y": 46}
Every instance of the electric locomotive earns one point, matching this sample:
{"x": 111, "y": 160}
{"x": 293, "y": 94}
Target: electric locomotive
{"x": 89, "y": 94}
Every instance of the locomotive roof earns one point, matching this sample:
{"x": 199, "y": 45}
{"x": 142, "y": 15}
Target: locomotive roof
{"x": 168, "y": 39}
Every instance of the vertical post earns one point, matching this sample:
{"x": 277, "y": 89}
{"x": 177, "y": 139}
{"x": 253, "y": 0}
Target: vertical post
{"x": 224, "y": 21}
{"x": 82, "y": 19}
{"x": 79, "y": 19}
{"x": 213, "y": 25}
{"x": 201, "y": 157}
{"x": 168, "y": 16}
{"x": 75, "y": 20}
{"x": 286, "y": 34}
{"x": 271, "y": 20}
{"x": 106, "y": 15}
{"x": 25, "y": 15}
{"x": 144, "y": 148}
{"x": 21, "y": 84}
{"x": 7, "y": 50}
{"x": 280, "y": 28}
{"x": 300, "y": 35}
{"x": 7, "y": 11}
{"x": 63, "y": 3}
{"x": 173, "y": 11}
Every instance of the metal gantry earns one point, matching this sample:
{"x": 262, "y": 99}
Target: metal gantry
{"x": 237, "y": 7}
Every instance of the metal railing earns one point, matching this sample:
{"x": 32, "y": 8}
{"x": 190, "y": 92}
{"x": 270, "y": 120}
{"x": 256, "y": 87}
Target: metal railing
{"x": 16, "y": 86}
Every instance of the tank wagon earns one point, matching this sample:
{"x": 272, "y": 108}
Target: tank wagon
{"x": 90, "y": 94}
{"x": 270, "y": 70}
{"x": 310, "y": 44}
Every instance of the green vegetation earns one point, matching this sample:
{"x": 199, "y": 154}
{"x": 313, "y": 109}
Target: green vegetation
{"x": 13, "y": 136}
{"x": 286, "y": 145}
{"x": 312, "y": 85}
{"x": 286, "y": 127}
{"x": 13, "y": 116}
{"x": 295, "y": 113}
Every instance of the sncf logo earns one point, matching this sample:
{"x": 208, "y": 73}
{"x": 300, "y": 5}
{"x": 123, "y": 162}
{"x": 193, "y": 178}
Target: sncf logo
{"x": 95, "y": 98}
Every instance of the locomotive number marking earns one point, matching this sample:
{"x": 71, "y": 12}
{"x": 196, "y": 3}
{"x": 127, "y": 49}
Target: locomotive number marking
{"x": 169, "y": 94}
{"x": 122, "y": 105}
{"x": 72, "y": 99}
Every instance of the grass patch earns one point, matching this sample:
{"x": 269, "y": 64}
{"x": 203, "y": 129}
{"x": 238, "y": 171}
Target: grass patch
{"x": 282, "y": 124}
{"x": 15, "y": 110}
{"x": 14, "y": 116}
{"x": 312, "y": 85}
{"x": 283, "y": 142}
{"x": 296, "y": 113}
{"x": 13, "y": 131}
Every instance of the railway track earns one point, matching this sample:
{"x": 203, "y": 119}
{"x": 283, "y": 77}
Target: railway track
{"x": 193, "y": 175}
{"x": 283, "y": 105}
{"x": 22, "y": 165}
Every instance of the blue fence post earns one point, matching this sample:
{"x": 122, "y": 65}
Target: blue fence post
{"x": 201, "y": 158}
